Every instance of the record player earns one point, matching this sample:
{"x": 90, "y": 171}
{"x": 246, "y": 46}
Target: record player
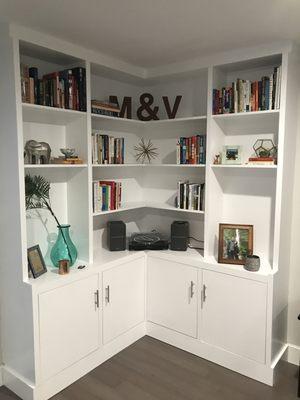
{"x": 148, "y": 241}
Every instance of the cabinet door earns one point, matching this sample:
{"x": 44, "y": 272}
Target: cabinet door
{"x": 69, "y": 324}
{"x": 172, "y": 295}
{"x": 234, "y": 312}
{"x": 124, "y": 298}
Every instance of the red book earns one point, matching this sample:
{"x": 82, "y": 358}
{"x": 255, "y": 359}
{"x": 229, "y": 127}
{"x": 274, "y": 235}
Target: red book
{"x": 112, "y": 185}
{"x": 261, "y": 159}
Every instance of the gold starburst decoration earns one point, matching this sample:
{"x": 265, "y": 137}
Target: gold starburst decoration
{"x": 145, "y": 151}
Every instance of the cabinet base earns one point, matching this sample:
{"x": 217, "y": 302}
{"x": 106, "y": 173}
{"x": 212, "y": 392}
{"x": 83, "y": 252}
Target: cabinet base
{"x": 244, "y": 366}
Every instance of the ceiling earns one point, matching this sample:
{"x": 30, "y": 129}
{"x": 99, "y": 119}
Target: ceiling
{"x": 151, "y": 33}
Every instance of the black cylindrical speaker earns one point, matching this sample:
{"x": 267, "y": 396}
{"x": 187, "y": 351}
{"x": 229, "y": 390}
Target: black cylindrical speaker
{"x": 116, "y": 235}
{"x": 179, "y": 235}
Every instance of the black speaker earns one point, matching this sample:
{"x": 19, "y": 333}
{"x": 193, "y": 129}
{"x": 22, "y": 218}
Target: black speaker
{"x": 179, "y": 235}
{"x": 116, "y": 235}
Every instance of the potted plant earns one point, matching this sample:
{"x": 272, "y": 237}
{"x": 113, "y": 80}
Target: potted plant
{"x": 37, "y": 196}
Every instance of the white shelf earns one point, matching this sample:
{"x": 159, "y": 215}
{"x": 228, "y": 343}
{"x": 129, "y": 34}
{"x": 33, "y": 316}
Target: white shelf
{"x": 251, "y": 114}
{"x": 248, "y": 122}
{"x": 245, "y": 166}
{"x": 177, "y": 120}
{"x": 49, "y": 115}
{"x": 125, "y": 207}
{"x": 149, "y": 165}
{"x": 55, "y": 166}
{"x": 138, "y": 205}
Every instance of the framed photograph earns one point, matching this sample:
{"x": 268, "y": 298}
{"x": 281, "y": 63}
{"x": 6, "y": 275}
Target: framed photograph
{"x": 232, "y": 155}
{"x": 235, "y": 243}
{"x": 36, "y": 261}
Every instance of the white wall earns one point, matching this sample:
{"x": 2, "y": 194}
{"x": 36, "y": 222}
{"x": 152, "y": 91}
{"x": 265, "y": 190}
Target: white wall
{"x": 294, "y": 284}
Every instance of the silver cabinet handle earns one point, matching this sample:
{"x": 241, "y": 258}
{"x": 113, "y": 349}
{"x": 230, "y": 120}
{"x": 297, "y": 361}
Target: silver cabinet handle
{"x": 96, "y": 299}
{"x": 107, "y": 294}
{"x": 192, "y": 289}
{"x": 203, "y": 294}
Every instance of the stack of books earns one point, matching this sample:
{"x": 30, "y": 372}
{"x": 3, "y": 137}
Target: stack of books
{"x": 107, "y": 149}
{"x": 190, "y": 196}
{"x": 262, "y": 161}
{"x": 244, "y": 96}
{"x": 103, "y": 108}
{"x": 106, "y": 195}
{"x": 191, "y": 150}
{"x": 62, "y": 89}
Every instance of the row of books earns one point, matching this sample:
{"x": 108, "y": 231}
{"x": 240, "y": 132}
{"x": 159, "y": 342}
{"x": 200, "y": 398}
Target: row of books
{"x": 62, "y": 89}
{"x": 244, "y": 96}
{"x": 190, "y": 196}
{"x": 191, "y": 150}
{"x": 107, "y": 149}
{"x": 103, "y": 108}
{"x": 106, "y": 196}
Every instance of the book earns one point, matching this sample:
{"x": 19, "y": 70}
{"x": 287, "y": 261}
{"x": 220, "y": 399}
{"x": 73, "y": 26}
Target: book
{"x": 190, "y": 196}
{"x": 245, "y": 96}
{"x": 106, "y": 196}
{"x": 107, "y": 149}
{"x": 61, "y": 89}
{"x": 191, "y": 150}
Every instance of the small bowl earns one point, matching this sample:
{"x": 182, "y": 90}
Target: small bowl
{"x": 67, "y": 152}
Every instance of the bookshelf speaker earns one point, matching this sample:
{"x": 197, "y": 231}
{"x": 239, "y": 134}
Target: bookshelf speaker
{"x": 179, "y": 235}
{"x": 116, "y": 235}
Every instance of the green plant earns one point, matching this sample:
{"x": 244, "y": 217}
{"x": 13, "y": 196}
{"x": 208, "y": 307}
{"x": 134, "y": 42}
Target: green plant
{"x": 37, "y": 196}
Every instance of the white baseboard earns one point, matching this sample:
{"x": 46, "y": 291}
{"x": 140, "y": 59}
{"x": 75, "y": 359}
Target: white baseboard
{"x": 1, "y": 379}
{"x": 242, "y": 365}
{"x": 292, "y": 355}
{"x": 17, "y": 384}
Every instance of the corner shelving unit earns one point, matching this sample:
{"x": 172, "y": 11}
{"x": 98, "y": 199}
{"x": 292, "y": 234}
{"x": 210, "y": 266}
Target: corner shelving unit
{"x": 239, "y": 194}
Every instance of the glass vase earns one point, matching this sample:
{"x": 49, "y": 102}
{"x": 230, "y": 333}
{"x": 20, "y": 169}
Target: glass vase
{"x": 64, "y": 248}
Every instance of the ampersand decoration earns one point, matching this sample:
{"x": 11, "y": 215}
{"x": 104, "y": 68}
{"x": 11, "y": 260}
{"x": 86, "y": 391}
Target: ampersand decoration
{"x": 146, "y": 100}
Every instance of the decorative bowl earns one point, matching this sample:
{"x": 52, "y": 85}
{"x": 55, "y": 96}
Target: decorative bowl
{"x": 67, "y": 152}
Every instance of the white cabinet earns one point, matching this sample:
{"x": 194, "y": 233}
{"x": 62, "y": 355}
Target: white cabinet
{"x": 123, "y": 298}
{"x": 234, "y": 313}
{"x": 172, "y": 295}
{"x": 69, "y": 324}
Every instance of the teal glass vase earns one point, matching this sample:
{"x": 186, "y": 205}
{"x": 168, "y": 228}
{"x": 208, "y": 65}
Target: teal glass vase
{"x": 64, "y": 248}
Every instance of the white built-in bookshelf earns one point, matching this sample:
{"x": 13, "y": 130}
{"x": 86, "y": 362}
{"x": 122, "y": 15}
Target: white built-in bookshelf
{"x": 234, "y": 193}
{"x": 258, "y": 195}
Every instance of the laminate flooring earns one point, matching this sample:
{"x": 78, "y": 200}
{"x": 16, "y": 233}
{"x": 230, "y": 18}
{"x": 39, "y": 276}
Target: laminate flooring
{"x": 152, "y": 370}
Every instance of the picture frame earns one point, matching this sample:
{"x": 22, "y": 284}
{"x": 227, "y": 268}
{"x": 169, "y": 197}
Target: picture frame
{"x": 232, "y": 155}
{"x": 235, "y": 243}
{"x": 36, "y": 261}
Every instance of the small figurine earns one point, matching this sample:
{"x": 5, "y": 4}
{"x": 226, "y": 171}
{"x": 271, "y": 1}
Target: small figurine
{"x": 217, "y": 159}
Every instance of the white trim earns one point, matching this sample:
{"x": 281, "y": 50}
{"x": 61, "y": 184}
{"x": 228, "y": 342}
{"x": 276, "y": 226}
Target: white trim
{"x": 18, "y": 384}
{"x": 279, "y": 355}
{"x": 292, "y": 355}
{"x": 242, "y": 365}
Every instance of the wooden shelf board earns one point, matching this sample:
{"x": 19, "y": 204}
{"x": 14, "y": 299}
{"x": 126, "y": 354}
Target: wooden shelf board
{"x": 138, "y": 205}
{"x": 149, "y": 165}
{"x": 49, "y": 115}
{"x": 245, "y": 114}
{"x": 138, "y": 122}
{"x": 50, "y": 166}
{"x": 245, "y": 166}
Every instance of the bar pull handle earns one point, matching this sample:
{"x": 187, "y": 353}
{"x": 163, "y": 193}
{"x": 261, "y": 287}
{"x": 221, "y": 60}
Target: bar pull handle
{"x": 192, "y": 289}
{"x": 203, "y": 294}
{"x": 107, "y": 294}
{"x": 96, "y": 299}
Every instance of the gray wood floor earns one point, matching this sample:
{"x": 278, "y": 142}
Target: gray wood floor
{"x": 152, "y": 370}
